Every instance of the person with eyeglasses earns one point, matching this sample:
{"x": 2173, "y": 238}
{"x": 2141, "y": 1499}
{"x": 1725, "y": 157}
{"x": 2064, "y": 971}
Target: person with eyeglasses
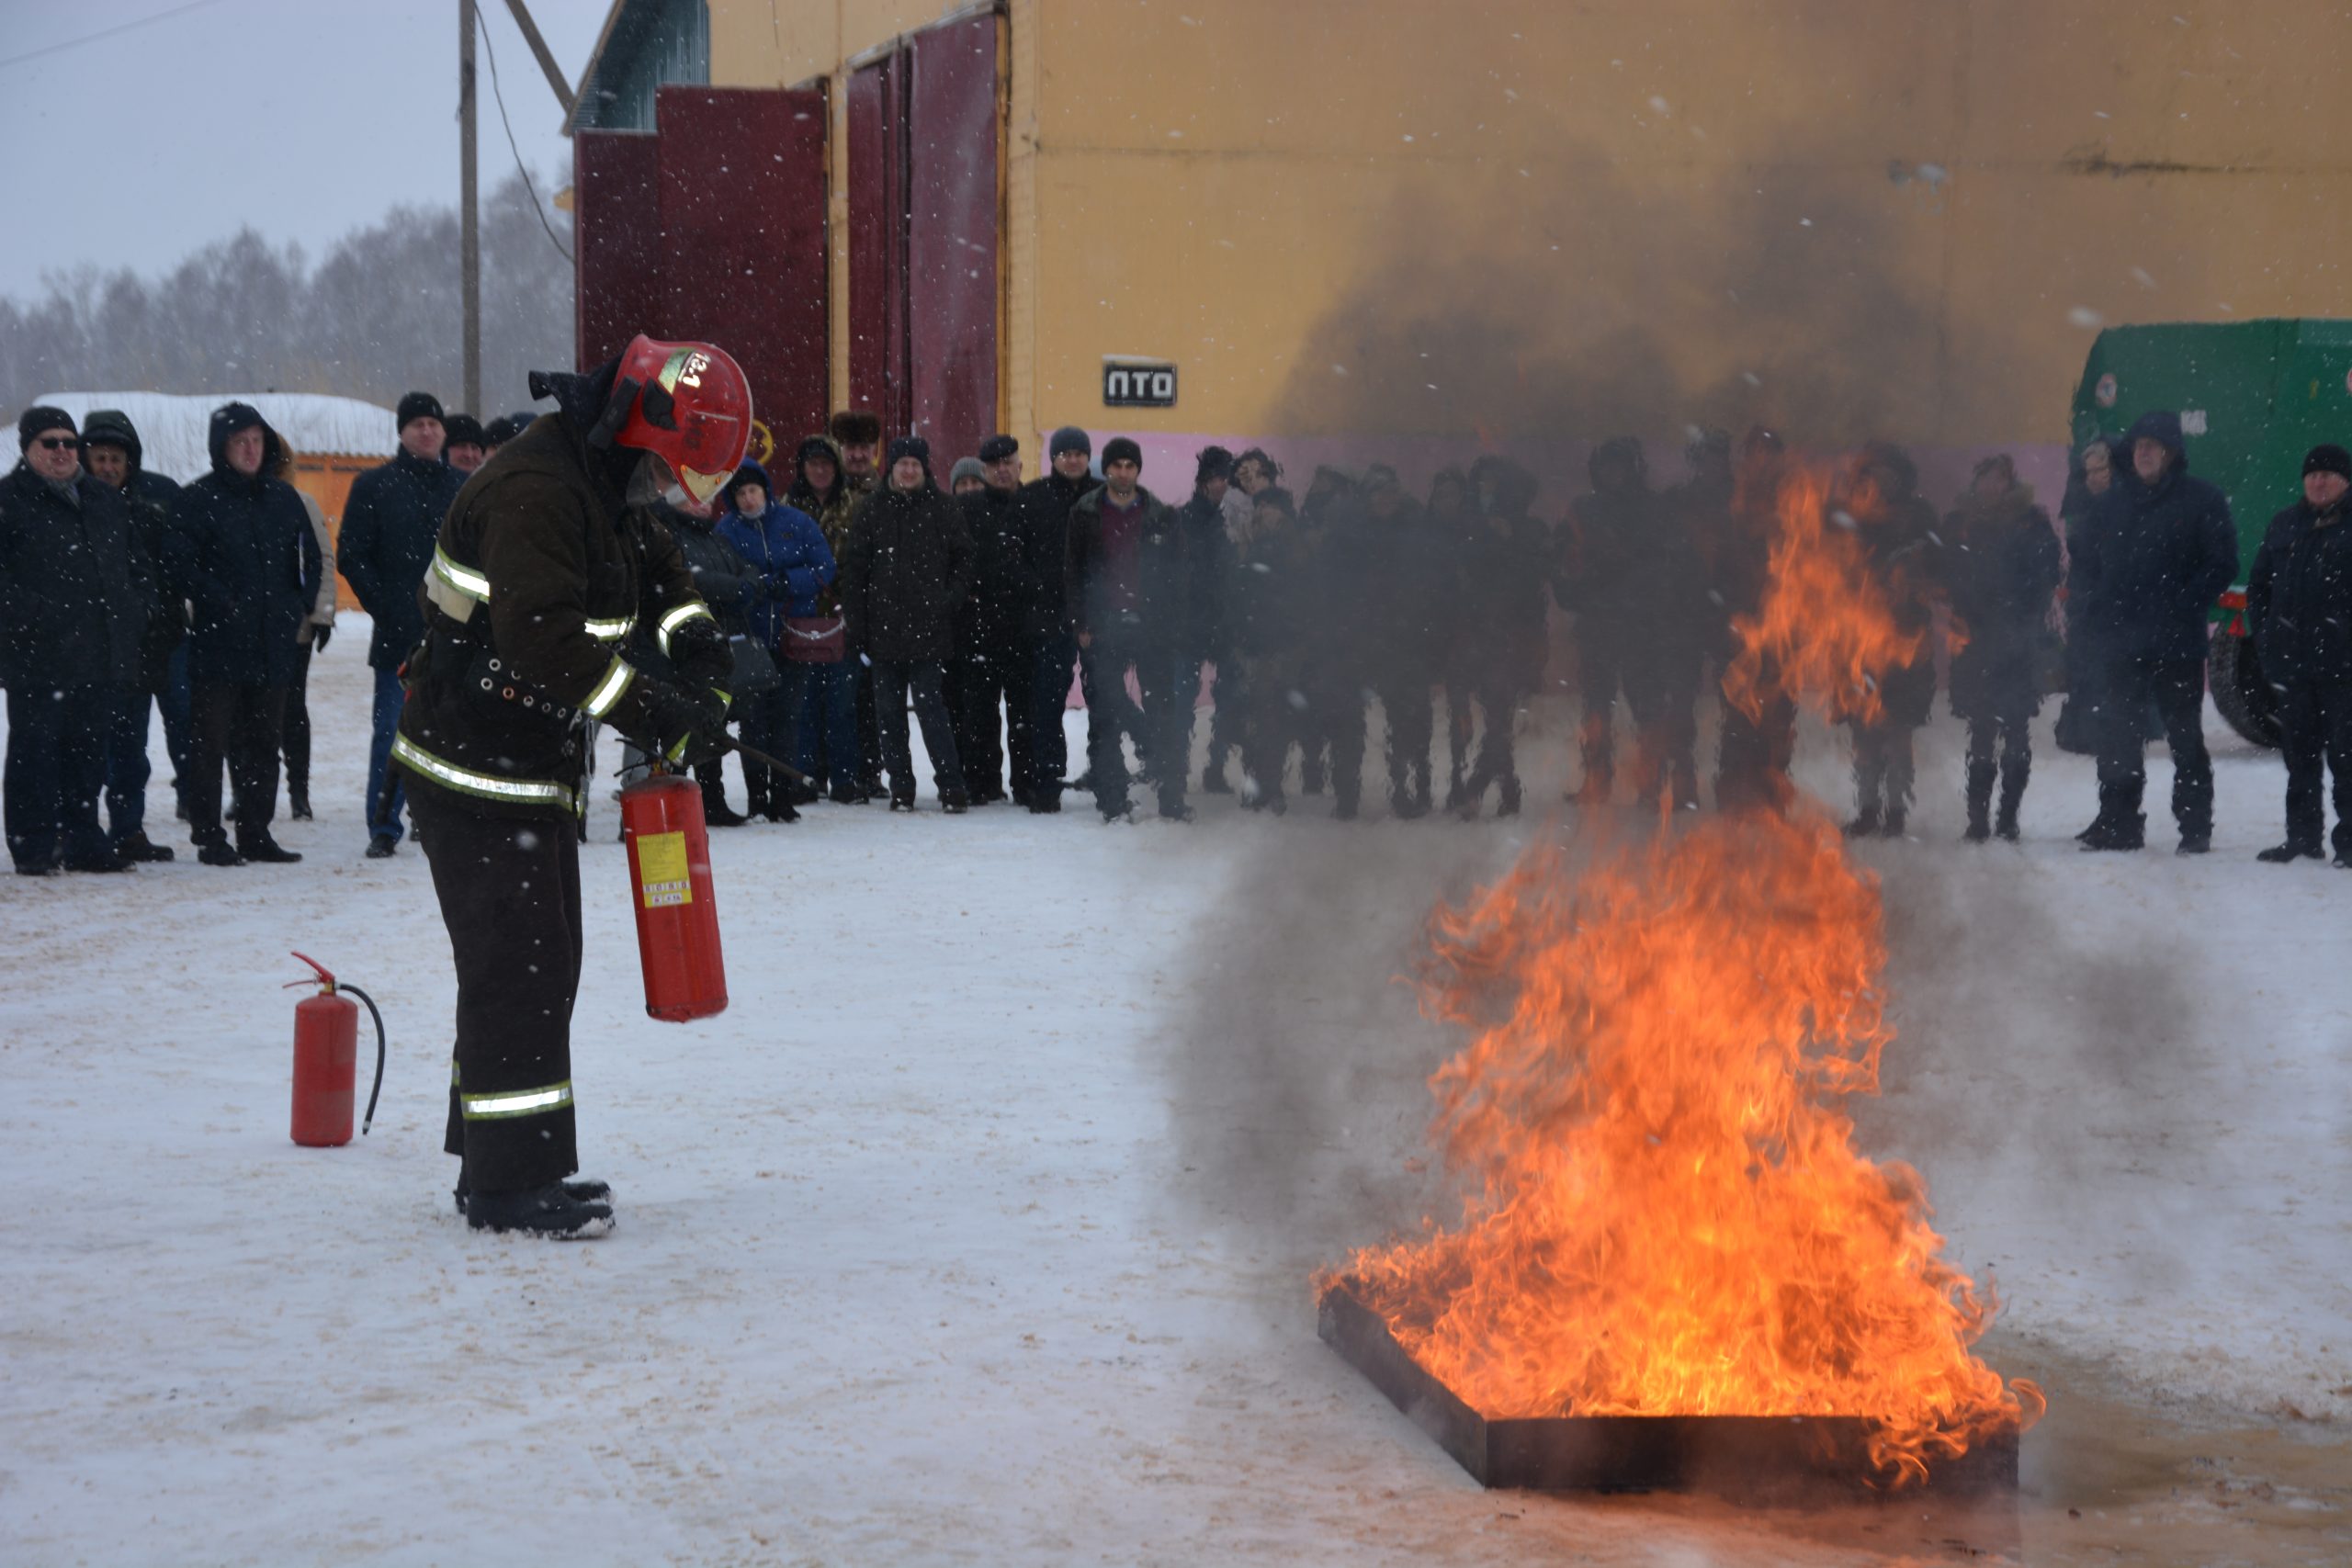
{"x": 76, "y": 589}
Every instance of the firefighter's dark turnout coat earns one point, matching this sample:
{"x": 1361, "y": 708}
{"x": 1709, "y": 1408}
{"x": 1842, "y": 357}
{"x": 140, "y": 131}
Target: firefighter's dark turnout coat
{"x": 541, "y": 573}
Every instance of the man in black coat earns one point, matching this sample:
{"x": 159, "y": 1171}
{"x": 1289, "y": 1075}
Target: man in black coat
{"x": 1051, "y": 646}
{"x": 1407, "y": 576}
{"x": 1130, "y": 590}
{"x": 75, "y": 589}
{"x": 2299, "y": 611}
{"x": 904, "y": 577}
{"x": 2161, "y": 548}
{"x": 242, "y": 551}
{"x": 991, "y": 646}
{"x": 1210, "y": 549}
{"x": 111, "y": 451}
{"x": 389, "y": 526}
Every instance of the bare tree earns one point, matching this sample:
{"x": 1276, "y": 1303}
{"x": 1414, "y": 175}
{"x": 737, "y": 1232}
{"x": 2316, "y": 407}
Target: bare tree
{"x": 376, "y": 317}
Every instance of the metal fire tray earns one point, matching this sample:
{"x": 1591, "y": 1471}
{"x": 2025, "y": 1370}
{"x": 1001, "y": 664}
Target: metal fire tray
{"x": 1750, "y": 1458}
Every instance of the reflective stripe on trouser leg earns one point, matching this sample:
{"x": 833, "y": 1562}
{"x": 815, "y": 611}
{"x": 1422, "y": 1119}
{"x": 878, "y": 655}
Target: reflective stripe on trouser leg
{"x": 510, "y": 897}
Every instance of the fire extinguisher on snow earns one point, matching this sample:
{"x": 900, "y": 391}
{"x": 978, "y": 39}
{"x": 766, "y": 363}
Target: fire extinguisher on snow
{"x": 677, "y": 914}
{"x": 327, "y": 1042}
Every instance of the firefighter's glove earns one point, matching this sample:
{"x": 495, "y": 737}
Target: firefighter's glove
{"x": 689, "y": 730}
{"x": 699, "y": 653}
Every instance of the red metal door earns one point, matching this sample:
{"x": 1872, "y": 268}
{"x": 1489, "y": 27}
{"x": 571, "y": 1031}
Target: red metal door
{"x": 742, "y": 184}
{"x": 952, "y": 215}
{"x": 878, "y": 237}
{"x": 617, "y": 245}
{"x": 924, "y": 126}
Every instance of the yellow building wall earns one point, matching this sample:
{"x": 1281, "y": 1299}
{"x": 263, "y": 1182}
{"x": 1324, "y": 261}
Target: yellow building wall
{"x": 1537, "y": 221}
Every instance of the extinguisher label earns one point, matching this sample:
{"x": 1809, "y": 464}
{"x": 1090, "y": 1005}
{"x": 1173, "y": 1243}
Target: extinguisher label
{"x": 662, "y": 869}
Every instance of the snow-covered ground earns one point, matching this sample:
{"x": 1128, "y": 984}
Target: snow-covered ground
{"x": 978, "y": 1228}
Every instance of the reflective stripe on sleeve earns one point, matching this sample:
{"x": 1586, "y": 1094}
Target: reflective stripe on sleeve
{"x": 514, "y": 1102}
{"x": 609, "y": 689}
{"x": 611, "y": 631}
{"x": 464, "y": 579}
{"x": 489, "y": 787}
{"x": 679, "y": 617}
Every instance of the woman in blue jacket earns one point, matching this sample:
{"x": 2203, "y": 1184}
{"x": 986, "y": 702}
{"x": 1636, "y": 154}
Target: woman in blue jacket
{"x": 785, "y": 546}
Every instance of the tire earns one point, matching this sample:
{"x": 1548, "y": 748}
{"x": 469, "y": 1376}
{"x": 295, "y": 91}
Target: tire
{"x": 2246, "y": 703}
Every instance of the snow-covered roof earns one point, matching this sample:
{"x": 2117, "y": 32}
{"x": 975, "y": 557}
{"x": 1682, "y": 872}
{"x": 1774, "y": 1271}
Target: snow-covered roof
{"x": 172, "y": 428}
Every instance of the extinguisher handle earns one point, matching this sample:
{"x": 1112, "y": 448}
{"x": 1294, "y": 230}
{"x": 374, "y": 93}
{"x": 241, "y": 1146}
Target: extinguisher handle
{"x": 379, "y": 1089}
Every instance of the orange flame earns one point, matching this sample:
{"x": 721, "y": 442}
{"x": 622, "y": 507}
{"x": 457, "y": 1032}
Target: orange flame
{"x": 1666, "y": 1213}
{"x": 1822, "y": 627}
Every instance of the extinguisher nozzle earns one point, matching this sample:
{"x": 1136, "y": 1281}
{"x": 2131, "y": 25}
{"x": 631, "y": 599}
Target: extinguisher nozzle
{"x": 369, "y": 1119}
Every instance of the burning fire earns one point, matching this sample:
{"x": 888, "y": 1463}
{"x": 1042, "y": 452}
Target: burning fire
{"x": 1666, "y": 1213}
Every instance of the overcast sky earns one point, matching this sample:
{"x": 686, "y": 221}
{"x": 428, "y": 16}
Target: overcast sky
{"x": 305, "y": 118}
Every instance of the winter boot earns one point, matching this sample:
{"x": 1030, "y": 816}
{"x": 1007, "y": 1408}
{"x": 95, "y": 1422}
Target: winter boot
{"x": 298, "y": 803}
{"x": 780, "y": 807}
{"x": 716, "y": 812}
{"x": 954, "y": 802}
{"x": 1213, "y": 780}
{"x": 1866, "y": 823}
{"x": 1980, "y": 802}
{"x": 902, "y": 801}
{"x": 2118, "y": 832}
{"x": 2014, "y": 772}
{"x": 2195, "y": 842}
{"x": 137, "y": 846}
{"x": 261, "y": 846}
{"x": 2291, "y": 851}
{"x": 1891, "y": 825}
{"x": 1506, "y": 797}
{"x": 549, "y": 1211}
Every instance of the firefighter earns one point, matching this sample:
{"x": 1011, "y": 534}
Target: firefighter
{"x": 551, "y": 557}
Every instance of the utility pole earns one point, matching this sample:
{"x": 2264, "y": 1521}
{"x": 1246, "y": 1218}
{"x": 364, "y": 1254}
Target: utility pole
{"x": 469, "y": 214}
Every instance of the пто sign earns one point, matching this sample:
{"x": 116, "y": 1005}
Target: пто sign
{"x": 1138, "y": 384}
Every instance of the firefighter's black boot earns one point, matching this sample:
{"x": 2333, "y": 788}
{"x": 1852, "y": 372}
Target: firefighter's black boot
{"x": 582, "y": 1190}
{"x": 549, "y": 1211}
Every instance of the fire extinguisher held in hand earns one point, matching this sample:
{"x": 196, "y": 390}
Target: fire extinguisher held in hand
{"x": 326, "y": 1039}
{"x": 678, "y": 915}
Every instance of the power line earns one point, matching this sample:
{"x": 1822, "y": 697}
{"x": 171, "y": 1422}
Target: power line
{"x": 108, "y": 32}
{"x": 537, "y": 211}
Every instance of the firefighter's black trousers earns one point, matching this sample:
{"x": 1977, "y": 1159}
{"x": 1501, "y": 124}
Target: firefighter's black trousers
{"x": 510, "y": 897}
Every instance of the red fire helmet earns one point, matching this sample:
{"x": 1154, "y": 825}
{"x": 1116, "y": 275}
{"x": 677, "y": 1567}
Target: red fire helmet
{"x": 694, "y": 410}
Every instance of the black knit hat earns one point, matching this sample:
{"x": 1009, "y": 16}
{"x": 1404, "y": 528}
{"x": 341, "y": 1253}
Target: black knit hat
{"x": 1215, "y": 463}
{"x": 1121, "y": 449}
{"x": 464, "y": 430}
{"x": 415, "y": 406}
{"x": 913, "y": 447}
{"x": 40, "y": 417}
{"x": 998, "y": 447}
{"x": 1069, "y": 439}
{"x": 2327, "y": 458}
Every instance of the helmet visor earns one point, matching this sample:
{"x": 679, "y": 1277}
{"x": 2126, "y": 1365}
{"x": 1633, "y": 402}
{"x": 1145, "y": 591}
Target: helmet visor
{"x": 710, "y": 449}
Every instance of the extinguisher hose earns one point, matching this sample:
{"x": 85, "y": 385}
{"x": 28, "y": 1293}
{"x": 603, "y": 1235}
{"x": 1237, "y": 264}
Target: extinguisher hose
{"x": 379, "y": 1089}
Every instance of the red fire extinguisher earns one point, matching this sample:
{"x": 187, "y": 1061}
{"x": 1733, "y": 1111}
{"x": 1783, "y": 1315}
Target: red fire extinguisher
{"x": 677, "y": 915}
{"x": 326, "y": 1038}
